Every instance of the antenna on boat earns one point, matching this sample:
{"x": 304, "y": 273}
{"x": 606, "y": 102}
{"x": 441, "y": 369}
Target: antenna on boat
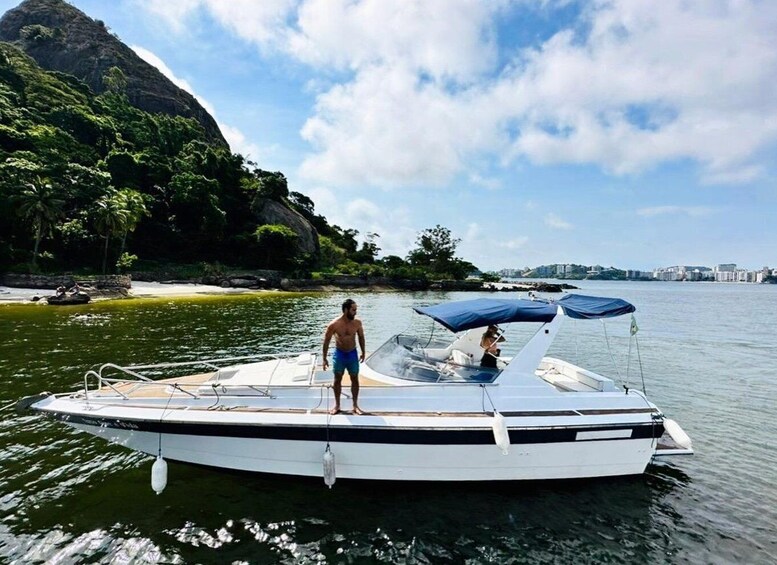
{"x": 633, "y": 329}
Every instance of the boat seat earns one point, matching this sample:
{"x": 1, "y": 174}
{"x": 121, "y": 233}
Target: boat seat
{"x": 458, "y": 357}
{"x": 437, "y": 353}
{"x": 469, "y": 344}
{"x": 224, "y": 374}
{"x": 276, "y": 372}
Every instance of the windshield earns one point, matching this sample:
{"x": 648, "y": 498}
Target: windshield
{"x": 402, "y": 357}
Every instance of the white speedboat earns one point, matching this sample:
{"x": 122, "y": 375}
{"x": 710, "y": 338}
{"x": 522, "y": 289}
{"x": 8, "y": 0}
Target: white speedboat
{"x": 434, "y": 413}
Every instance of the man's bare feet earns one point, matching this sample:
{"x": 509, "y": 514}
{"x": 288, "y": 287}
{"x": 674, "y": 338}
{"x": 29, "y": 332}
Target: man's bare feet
{"x": 335, "y": 410}
{"x": 357, "y": 411}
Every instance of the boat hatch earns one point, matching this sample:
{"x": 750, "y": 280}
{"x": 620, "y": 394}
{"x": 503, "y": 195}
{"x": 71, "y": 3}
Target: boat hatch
{"x": 567, "y": 377}
{"x": 296, "y": 370}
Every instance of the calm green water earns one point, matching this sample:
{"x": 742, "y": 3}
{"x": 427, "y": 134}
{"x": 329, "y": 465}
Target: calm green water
{"x": 710, "y": 358}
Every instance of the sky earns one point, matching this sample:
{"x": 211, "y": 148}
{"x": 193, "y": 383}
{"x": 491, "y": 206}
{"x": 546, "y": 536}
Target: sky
{"x": 628, "y": 133}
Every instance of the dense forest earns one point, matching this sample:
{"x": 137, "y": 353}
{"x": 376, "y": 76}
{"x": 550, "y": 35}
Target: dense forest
{"x": 86, "y": 179}
{"x": 90, "y": 182}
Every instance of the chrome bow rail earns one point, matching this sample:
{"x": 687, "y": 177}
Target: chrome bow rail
{"x": 132, "y": 375}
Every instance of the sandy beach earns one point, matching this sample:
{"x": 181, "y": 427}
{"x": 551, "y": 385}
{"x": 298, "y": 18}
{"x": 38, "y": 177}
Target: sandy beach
{"x": 11, "y": 295}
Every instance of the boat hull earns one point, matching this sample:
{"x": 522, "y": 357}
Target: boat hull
{"x": 396, "y": 454}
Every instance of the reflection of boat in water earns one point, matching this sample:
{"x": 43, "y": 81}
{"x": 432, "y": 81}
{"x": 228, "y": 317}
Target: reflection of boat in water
{"x": 435, "y": 413}
{"x": 69, "y": 299}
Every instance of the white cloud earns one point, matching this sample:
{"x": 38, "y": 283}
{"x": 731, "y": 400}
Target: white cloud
{"x": 554, "y": 221}
{"x": 155, "y": 61}
{"x": 397, "y": 236}
{"x": 238, "y": 142}
{"x": 385, "y": 128}
{"x": 622, "y": 99}
{"x": 363, "y": 209}
{"x": 473, "y": 233}
{"x": 414, "y": 93}
{"x": 626, "y": 100}
{"x": 325, "y": 201}
{"x": 489, "y": 183}
{"x": 693, "y": 211}
{"x": 733, "y": 175}
{"x": 515, "y": 243}
{"x": 486, "y": 249}
{"x": 174, "y": 14}
{"x": 442, "y": 38}
{"x": 264, "y": 22}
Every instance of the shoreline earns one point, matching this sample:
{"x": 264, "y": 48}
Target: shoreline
{"x": 13, "y": 295}
{"x": 142, "y": 289}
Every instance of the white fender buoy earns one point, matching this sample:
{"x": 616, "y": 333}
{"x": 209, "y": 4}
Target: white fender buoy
{"x": 159, "y": 475}
{"x": 501, "y": 437}
{"x": 329, "y": 467}
{"x": 678, "y": 435}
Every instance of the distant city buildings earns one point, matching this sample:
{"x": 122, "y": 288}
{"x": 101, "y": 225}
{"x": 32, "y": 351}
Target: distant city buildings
{"x": 724, "y": 272}
{"x": 683, "y": 273}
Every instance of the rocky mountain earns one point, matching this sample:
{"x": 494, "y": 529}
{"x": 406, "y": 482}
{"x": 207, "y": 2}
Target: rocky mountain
{"x": 62, "y": 38}
{"x": 271, "y": 212}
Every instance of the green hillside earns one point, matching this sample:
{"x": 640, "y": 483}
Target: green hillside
{"x": 84, "y": 177}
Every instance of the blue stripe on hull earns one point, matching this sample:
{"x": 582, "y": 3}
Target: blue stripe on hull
{"x": 406, "y": 436}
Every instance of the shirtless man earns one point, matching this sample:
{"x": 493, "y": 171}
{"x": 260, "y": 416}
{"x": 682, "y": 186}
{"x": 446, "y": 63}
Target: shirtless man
{"x": 345, "y": 329}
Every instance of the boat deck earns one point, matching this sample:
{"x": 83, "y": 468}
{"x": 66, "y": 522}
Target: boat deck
{"x": 163, "y": 388}
{"x": 156, "y": 389}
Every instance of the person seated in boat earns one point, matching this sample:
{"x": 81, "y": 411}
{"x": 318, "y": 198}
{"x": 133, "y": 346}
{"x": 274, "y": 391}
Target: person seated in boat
{"x": 75, "y": 289}
{"x": 490, "y": 350}
{"x": 345, "y": 330}
{"x": 60, "y": 291}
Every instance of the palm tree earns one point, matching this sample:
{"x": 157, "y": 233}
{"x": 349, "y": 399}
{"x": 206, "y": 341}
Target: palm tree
{"x": 39, "y": 202}
{"x": 111, "y": 216}
{"x": 135, "y": 204}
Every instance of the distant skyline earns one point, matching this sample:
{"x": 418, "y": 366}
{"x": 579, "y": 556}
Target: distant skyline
{"x": 627, "y": 267}
{"x": 629, "y": 133}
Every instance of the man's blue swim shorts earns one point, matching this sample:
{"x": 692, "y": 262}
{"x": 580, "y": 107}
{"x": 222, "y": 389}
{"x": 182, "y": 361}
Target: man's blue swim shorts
{"x": 345, "y": 361}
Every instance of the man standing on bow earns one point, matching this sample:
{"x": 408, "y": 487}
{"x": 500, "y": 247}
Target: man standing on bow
{"x": 345, "y": 329}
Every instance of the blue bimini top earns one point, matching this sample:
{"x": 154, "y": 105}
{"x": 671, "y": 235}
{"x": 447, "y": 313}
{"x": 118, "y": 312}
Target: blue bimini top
{"x": 481, "y": 312}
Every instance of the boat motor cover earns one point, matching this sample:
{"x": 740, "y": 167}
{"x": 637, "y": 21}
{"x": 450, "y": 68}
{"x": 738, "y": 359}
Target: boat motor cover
{"x": 482, "y": 312}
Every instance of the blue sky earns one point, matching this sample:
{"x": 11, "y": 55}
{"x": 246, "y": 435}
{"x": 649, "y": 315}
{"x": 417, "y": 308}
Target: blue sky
{"x": 630, "y": 133}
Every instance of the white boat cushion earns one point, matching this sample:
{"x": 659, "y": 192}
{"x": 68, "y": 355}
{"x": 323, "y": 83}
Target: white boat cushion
{"x": 461, "y": 358}
{"x": 225, "y": 373}
{"x": 305, "y": 359}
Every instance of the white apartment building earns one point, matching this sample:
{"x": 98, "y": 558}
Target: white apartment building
{"x": 683, "y": 273}
{"x": 563, "y": 269}
{"x": 676, "y": 273}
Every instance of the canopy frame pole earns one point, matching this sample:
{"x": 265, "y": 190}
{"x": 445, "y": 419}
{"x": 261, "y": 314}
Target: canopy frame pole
{"x": 609, "y": 350}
